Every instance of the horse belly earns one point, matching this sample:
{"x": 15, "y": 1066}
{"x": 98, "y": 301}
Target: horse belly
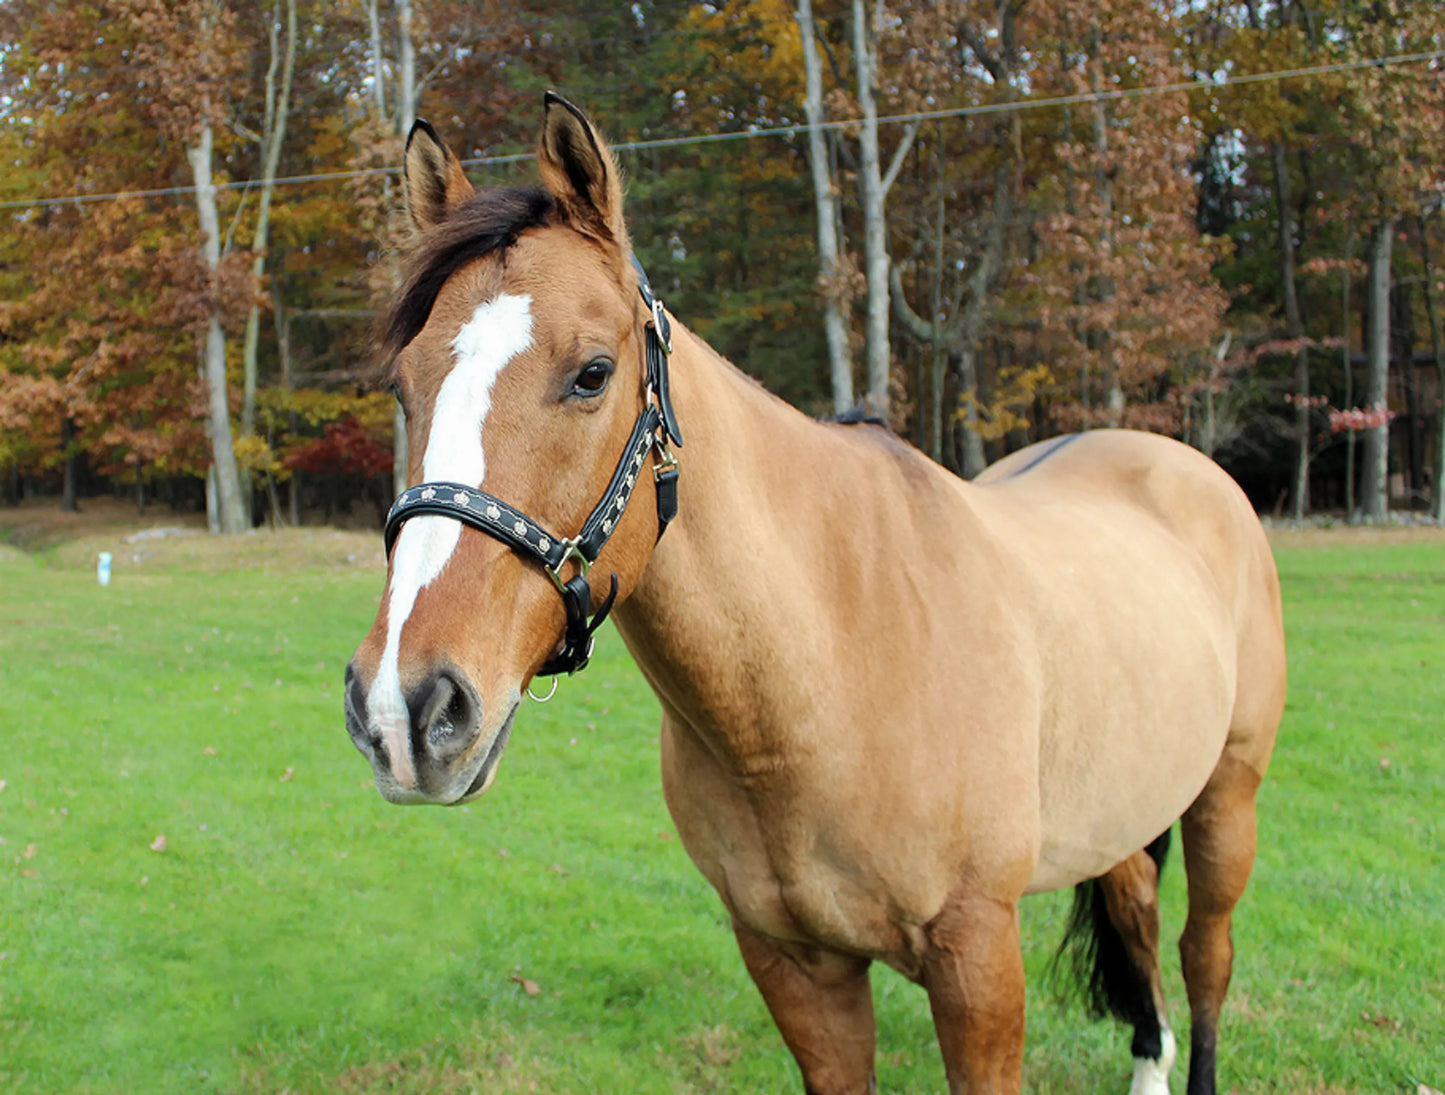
{"x": 1133, "y": 730}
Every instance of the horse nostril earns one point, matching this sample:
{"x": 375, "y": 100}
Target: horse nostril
{"x": 446, "y": 719}
{"x": 356, "y": 708}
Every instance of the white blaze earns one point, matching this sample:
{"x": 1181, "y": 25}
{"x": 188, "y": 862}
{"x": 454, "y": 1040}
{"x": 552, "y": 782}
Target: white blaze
{"x": 498, "y": 331}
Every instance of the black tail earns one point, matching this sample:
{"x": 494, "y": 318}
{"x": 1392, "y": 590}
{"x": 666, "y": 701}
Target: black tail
{"x": 1092, "y": 958}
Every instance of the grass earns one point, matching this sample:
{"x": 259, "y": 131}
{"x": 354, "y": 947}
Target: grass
{"x": 298, "y": 934}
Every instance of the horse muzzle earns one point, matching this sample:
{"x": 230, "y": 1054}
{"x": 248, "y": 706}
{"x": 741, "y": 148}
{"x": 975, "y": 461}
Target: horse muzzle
{"x": 427, "y": 744}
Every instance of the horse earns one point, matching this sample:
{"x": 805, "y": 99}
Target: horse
{"x": 894, "y": 702}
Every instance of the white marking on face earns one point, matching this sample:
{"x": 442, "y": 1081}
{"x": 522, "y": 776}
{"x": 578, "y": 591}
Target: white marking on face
{"x": 1152, "y": 1077}
{"x": 499, "y": 330}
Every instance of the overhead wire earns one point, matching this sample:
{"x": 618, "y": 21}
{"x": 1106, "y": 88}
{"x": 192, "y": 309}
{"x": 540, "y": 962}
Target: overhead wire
{"x": 792, "y": 129}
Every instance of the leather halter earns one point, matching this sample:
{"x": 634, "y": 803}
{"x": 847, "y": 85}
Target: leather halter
{"x": 655, "y": 427}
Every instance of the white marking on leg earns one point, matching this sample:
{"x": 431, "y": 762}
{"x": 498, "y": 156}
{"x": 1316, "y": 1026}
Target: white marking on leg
{"x": 1152, "y": 1077}
{"x": 498, "y": 331}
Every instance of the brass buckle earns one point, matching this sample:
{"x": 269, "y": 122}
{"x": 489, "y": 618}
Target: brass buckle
{"x": 572, "y": 552}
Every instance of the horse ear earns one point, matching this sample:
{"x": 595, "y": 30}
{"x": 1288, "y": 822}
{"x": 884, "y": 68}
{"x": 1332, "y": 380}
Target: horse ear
{"x": 434, "y": 177}
{"x": 579, "y": 170}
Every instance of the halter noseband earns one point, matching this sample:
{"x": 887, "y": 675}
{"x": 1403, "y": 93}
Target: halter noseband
{"x": 655, "y": 427}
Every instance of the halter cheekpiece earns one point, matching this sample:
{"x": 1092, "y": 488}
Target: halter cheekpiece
{"x": 655, "y": 429}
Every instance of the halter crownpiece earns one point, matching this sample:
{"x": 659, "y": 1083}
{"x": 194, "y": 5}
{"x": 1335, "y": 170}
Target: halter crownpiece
{"x": 655, "y": 427}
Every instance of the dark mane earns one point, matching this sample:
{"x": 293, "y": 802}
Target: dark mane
{"x": 490, "y": 220}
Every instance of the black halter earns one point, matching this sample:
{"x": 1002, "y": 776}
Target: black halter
{"x": 655, "y": 427}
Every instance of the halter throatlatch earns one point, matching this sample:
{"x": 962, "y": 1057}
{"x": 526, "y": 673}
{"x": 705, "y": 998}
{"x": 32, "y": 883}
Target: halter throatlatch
{"x": 655, "y": 429}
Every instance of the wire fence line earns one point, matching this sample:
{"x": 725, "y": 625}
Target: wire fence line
{"x": 789, "y": 130}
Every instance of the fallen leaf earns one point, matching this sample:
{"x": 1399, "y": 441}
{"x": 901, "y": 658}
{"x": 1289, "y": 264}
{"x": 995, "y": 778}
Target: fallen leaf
{"x": 29, "y": 852}
{"x": 159, "y": 843}
{"x": 531, "y": 988}
{"x": 209, "y": 751}
{"x": 286, "y": 775}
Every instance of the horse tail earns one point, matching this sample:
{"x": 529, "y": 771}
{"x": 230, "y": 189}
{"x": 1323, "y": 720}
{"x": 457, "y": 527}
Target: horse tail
{"x": 1092, "y": 960}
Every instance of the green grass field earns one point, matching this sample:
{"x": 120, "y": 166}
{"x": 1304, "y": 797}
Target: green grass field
{"x": 297, "y": 933}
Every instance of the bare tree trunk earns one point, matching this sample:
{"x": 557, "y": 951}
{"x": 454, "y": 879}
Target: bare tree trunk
{"x": 406, "y": 118}
{"x": 1402, "y": 330}
{"x": 1375, "y": 492}
{"x": 1294, "y": 329}
{"x": 835, "y": 327}
{"x": 1437, "y": 493}
{"x": 68, "y": 500}
{"x": 273, "y": 135}
{"x": 938, "y": 358}
{"x": 1104, "y": 188}
{"x": 230, "y": 517}
{"x": 875, "y": 226}
{"x": 378, "y": 69}
{"x": 1349, "y": 393}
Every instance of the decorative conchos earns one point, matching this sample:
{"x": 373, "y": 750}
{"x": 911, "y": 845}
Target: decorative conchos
{"x": 519, "y": 527}
{"x": 428, "y": 493}
{"x": 462, "y": 498}
{"x": 494, "y": 513}
{"x": 544, "y": 544}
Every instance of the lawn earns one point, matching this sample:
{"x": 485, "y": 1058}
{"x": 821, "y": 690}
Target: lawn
{"x": 200, "y": 891}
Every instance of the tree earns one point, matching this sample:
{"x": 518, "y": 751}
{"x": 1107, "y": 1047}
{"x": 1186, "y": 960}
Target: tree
{"x": 271, "y": 139}
{"x": 831, "y": 272}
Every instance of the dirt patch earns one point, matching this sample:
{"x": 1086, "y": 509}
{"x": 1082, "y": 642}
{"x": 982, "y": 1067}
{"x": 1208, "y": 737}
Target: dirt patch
{"x": 38, "y": 524}
{"x": 175, "y": 541}
{"x": 1342, "y": 535}
{"x": 188, "y": 549}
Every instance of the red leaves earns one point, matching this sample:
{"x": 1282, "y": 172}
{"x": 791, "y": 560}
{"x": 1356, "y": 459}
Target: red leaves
{"x": 347, "y": 448}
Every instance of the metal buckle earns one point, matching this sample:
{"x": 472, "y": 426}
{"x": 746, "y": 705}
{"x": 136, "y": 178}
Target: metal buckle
{"x": 660, "y": 324}
{"x": 666, "y": 460}
{"x": 572, "y": 552}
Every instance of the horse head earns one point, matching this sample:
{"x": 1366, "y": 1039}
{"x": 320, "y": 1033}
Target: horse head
{"x": 518, "y": 345}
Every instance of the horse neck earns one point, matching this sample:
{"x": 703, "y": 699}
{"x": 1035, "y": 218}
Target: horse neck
{"x": 763, "y": 560}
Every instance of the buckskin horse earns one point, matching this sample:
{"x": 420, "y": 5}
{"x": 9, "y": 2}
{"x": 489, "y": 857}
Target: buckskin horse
{"x": 893, "y": 702}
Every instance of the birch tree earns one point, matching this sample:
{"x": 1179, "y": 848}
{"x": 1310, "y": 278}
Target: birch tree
{"x": 273, "y": 136}
{"x": 825, "y": 201}
{"x": 873, "y": 186}
{"x": 229, "y": 509}
{"x": 1375, "y": 488}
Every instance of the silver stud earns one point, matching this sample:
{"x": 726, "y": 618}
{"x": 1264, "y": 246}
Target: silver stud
{"x": 519, "y": 528}
{"x": 606, "y": 526}
{"x": 461, "y": 498}
{"x": 544, "y": 544}
{"x": 494, "y": 513}
{"x": 428, "y": 493}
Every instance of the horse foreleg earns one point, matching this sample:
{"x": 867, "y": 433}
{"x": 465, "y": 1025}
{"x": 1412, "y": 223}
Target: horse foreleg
{"x": 974, "y": 973}
{"x": 822, "y": 1003}
{"x": 1219, "y": 845}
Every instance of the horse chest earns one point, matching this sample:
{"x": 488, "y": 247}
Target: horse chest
{"x": 774, "y": 867}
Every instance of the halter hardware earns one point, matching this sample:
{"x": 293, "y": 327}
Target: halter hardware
{"x": 654, "y": 431}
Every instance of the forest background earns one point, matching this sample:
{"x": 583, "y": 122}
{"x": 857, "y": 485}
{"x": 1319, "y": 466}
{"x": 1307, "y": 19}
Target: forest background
{"x": 983, "y": 222}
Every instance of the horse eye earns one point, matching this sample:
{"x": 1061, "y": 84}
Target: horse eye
{"x": 592, "y": 380}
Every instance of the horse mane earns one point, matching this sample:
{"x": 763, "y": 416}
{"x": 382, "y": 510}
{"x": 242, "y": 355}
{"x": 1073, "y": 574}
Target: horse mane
{"x": 488, "y": 221}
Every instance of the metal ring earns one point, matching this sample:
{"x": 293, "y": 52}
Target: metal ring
{"x": 548, "y": 696}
